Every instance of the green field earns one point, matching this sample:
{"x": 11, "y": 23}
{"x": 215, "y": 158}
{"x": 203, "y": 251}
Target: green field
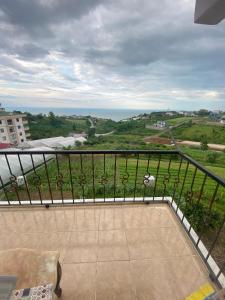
{"x": 196, "y": 132}
{"x": 177, "y": 121}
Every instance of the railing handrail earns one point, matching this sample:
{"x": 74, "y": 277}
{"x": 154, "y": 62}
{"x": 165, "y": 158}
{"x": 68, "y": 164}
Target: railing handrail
{"x": 5, "y": 152}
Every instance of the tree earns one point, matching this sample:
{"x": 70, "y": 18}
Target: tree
{"x": 54, "y": 121}
{"x": 74, "y": 127}
{"x": 204, "y": 145}
{"x": 91, "y": 132}
{"x": 52, "y": 118}
{"x": 203, "y": 112}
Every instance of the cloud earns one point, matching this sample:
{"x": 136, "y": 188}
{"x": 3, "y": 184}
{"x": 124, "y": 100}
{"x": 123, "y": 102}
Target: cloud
{"x": 109, "y": 53}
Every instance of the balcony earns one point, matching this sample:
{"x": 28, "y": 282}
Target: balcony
{"x": 128, "y": 224}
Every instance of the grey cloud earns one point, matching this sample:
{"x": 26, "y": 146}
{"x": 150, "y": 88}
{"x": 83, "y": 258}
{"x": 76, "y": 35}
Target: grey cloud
{"x": 155, "y": 45}
{"x": 11, "y": 63}
{"x": 36, "y": 14}
{"x": 31, "y": 51}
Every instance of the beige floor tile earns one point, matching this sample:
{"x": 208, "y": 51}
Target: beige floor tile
{"x": 114, "y": 281}
{"x": 86, "y": 219}
{"x": 82, "y": 247}
{"x": 172, "y": 241}
{"x": 135, "y": 236}
{"x": 111, "y": 218}
{"x": 152, "y": 280}
{"x": 11, "y": 221}
{"x": 186, "y": 275}
{"x": 44, "y": 221}
{"x": 161, "y": 253}
{"x": 78, "y": 281}
{"x": 53, "y": 240}
{"x": 7, "y": 240}
{"x": 159, "y": 217}
{"x": 112, "y": 245}
{"x": 143, "y": 245}
{"x": 135, "y": 217}
{"x": 65, "y": 219}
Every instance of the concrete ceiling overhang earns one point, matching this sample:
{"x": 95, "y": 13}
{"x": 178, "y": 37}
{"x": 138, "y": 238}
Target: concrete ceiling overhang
{"x": 209, "y": 12}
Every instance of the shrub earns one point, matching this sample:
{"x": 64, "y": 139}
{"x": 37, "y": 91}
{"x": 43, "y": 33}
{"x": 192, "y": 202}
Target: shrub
{"x": 204, "y": 144}
{"x": 211, "y": 157}
{"x": 200, "y": 218}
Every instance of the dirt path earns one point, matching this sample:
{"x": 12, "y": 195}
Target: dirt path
{"x": 165, "y": 141}
{"x": 217, "y": 147}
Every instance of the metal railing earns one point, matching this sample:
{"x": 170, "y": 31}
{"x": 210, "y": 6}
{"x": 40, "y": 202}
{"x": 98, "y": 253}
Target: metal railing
{"x": 195, "y": 194}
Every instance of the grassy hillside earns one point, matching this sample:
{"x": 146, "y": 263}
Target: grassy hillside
{"x": 195, "y": 132}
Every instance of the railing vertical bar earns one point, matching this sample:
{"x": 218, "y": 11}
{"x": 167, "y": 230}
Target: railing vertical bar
{"x": 104, "y": 176}
{"x": 157, "y": 174}
{"x": 25, "y": 180}
{"x": 71, "y": 177}
{"x": 192, "y": 184}
{"x": 182, "y": 188}
{"x": 166, "y": 178}
{"x": 93, "y": 175}
{"x": 178, "y": 180}
{"x": 47, "y": 175}
{"x": 123, "y": 181}
{"x": 136, "y": 173}
{"x": 35, "y": 172}
{"x": 60, "y": 178}
{"x": 114, "y": 183}
{"x": 82, "y": 176}
{"x": 209, "y": 212}
{"x": 147, "y": 171}
{"x": 12, "y": 175}
{"x": 4, "y": 190}
{"x": 220, "y": 271}
{"x": 202, "y": 188}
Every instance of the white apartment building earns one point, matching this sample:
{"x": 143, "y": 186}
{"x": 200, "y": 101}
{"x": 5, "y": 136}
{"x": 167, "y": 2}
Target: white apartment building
{"x": 14, "y": 127}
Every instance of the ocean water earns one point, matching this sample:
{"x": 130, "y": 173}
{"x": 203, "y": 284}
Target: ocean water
{"x": 114, "y": 114}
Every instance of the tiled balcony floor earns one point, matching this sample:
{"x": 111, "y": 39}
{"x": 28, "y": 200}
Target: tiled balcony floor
{"x": 110, "y": 251}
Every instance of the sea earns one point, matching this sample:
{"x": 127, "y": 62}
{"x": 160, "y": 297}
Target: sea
{"x": 114, "y": 114}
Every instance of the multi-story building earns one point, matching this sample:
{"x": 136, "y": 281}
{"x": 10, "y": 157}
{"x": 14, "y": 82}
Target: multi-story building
{"x": 14, "y": 127}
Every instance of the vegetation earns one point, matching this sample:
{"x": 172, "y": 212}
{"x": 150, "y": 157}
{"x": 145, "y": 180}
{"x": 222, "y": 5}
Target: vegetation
{"x": 45, "y": 126}
{"x": 196, "y": 132}
{"x": 130, "y": 134}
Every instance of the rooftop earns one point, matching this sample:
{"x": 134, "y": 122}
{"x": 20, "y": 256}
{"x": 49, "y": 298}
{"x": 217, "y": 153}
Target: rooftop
{"x": 9, "y": 113}
{"x": 129, "y": 251}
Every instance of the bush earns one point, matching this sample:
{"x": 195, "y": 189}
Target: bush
{"x": 200, "y": 218}
{"x": 211, "y": 157}
{"x": 204, "y": 144}
{"x": 78, "y": 143}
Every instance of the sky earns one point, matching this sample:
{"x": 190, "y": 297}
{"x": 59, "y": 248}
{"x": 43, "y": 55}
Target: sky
{"x": 122, "y": 54}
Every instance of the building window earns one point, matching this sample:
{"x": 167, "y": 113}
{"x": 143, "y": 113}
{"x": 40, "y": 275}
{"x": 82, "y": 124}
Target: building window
{"x": 17, "y": 120}
{"x": 22, "y": 140}
{"x": 9, "y": 122}
{"x": 11, "y": 130}
{"x": 21, "y": 133}
{"x": 1, "y": 122}
{"x": 4, "y": 138}
{"x": 2, "y": 130}
{"x": 19, "y": 127}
